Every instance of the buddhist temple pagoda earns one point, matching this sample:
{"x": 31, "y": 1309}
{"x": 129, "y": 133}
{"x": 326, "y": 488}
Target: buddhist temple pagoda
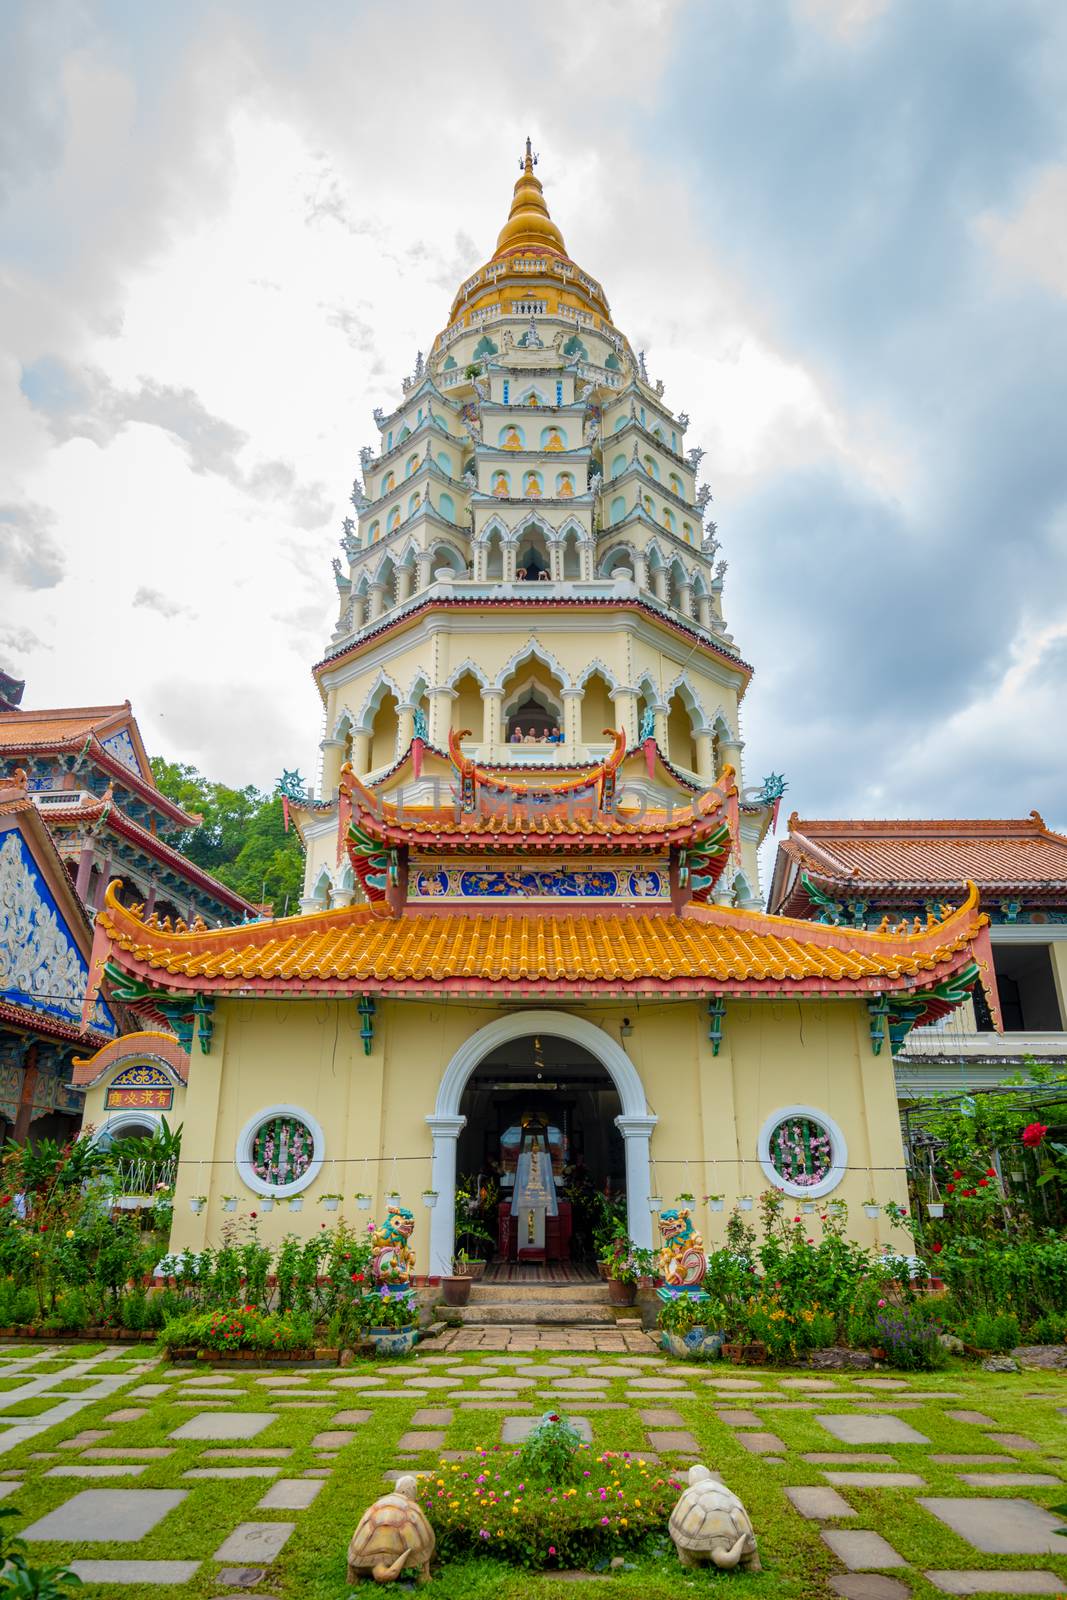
{"x": 531, "y": 922}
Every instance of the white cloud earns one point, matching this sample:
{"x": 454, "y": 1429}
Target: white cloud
{"x": 1033, "y": 241}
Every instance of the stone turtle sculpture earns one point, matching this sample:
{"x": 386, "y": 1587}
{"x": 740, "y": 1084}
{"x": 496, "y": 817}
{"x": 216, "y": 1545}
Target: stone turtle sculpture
{"x": 392, "y": 1534}
{"x": 709, "y": 1523}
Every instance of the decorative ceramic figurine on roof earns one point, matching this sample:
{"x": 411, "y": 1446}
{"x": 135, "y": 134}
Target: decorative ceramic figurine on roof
{"x": 682, "y": 1260}
{"x": 392, "y": 1262}
{"x": 392, "y": 1534}
{"x": 709, "y": 1524}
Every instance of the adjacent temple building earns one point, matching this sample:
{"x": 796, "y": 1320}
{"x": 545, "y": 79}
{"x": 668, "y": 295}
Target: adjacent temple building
{"x": 531, "y": 919}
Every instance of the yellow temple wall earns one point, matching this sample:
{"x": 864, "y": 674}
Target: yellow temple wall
{"x": 372, "y": 1109}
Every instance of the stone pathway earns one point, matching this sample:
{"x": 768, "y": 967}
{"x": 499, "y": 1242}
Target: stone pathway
{"x": 240, "y": 1492}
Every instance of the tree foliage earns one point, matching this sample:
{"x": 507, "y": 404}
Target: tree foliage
{"x": 242, "y": 840}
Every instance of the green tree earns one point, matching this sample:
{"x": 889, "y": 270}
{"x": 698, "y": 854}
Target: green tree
{"x": 242, "y": 839}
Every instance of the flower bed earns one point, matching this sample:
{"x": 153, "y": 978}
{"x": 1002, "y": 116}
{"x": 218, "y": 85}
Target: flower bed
{"x": 243, "y": 1329}
{"x": 606, "y": 1505}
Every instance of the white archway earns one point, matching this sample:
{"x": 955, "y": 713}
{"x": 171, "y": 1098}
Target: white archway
{"x": 447, "y": 1122}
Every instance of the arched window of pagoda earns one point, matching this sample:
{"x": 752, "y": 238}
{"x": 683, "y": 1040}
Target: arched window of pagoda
{"x": 618, "y": 465}
{"x": 533, "y": 701}
{"x": 447, "y": 507}
{"x": 618, "y": 508}
{"x": 383, "y": 732}
{"x": 681, "y": 744}
{"x": 467, "y": 706}
{"x": 532, "y": 556}
{"x": 410, "y": 466}
{"x": 598, "y": 711}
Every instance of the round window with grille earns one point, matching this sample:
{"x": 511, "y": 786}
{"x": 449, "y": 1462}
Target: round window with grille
{"x": 802, "y": 1151}
{"x": 280, "y": 1150}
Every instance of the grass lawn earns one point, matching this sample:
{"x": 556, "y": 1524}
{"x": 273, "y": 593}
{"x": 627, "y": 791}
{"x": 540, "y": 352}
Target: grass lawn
{"x": 311, "y": 1566}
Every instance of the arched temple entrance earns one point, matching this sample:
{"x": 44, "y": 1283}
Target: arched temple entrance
{"x": 494, "y": 1073}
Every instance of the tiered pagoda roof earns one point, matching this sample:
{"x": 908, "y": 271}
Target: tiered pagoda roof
{"x": 900, "y": 863}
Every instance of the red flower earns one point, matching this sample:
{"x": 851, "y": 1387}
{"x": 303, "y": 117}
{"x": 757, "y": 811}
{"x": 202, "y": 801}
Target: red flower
{"x": 957, "y": 1173}
{"x": 5, "y": 1199}
{"x": 990, "y": 1172}
{"x": 937, "y": 1249}
{"x": 1034, "y": 1135}
{"x": 252, "y": 1214}
{"x": 796, "y": 1219}
{"x": 983, "y": 1183}
{"x": 553, "y": 1416}
{"x": 950, "y": 1188}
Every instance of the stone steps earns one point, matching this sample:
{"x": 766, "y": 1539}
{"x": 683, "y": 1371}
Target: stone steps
{"x": 495, "y": 1293}
{"x": 533, "y": 1313}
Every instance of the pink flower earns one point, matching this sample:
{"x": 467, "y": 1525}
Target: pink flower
{"x": 551, "y": 1549}
{"x": 881, "y": 1303}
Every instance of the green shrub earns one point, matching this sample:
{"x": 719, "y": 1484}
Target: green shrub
{"x": 987, "y": 1331}
{"x": 242, "y": 1329}
{"x": 1051, "y": 1329}
{"x": 1029, "y": 1279}
{"x": 550, "y": 1453}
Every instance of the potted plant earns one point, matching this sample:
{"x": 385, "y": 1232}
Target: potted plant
{"x": 229, "y": 1202}
{"x": 686, "y": 1200}
{"x": 429, "y": 1198}
{"x": 466, "y": 1266}
{"x": 807, "y": 1206}
{"x": 456, "y": 1288}
{"x": 691, "y": 1329}
{"x": 266, "y": 1202}
{"x": 871, "y": 1209}
{"x": 392, "y": 1321}
{"x": 655, "y": 1202}
{"x": 363, "y": 1201}
{"x": 936, "y": 1208}
{"x": 393, "y": 1197}
{"x": 745, "y": 1203}
{"x": 197, "y": 1202}
{"x": 330, "y": 1201}
{"x": 623, "y": 1272}
{"x": 715, "y": 1202}
{"x": 296, "y": 1202}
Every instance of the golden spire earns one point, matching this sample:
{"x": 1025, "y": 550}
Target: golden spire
{"x": 529, "y": 224}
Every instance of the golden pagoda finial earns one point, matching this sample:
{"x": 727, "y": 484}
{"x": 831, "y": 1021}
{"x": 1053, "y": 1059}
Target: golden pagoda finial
{"x": 529, "y": 225}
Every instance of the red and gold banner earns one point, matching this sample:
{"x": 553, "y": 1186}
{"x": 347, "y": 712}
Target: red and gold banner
{"x": 158, "y": 1099}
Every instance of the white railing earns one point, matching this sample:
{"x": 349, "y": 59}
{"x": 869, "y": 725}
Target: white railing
{"x": 486, "y": 314}
{"x": 527, "y": 308}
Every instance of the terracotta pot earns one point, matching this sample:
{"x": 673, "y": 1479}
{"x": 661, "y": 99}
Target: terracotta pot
{"x": 476, "y": 1269}
{"x": 604, "y": 1269}
{"x": 456, "y": 1291}
{"x": 745, "y": 1355}
{"x": 621, "y": 1294}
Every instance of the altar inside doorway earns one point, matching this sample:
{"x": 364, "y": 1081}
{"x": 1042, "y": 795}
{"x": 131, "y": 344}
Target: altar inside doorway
{"x": 541, "y": 1146}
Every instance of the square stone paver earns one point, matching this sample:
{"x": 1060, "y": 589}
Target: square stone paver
{"x": 516, "y": 1429}
{"x": 974, "y": 1581}
{"x": 224, "y": 1425}
{"x": 1012, "y": 1441}
{"x": 871, "y": 1430}
{"x": 417, "y": 1439}
{"x": 813, "y": 1384}
{"x": 869, "y": 1586}
{"x": 992, "y": 1480}
{"x": 282, "y": 1453}
{"x": 230, "y": 1472}
{"x": 156, "y": 1452}
{"x": 126, "y": 1414}
{"x": 978, "y": 1418}
{"x": 149, "y": 1391}
{"x": 969, "y": 1461}
{"x": 736, "y": 1418}
{"x": 877, "y": 1480}
{"x": 674, "y": 1439}
{"x": 761, "y": 1444}
{"x": 135, "y": 1571}
{"x": 113, "y": 1469}
{"x": 353, "y": 1419}
{"x": 820, "y": 1504}
{"x": 97, "y": 1515}
{"x": 254, "y": 1541}
{"x": 1001, "y": 1527}
{"x": 332, "y": 1439}
{"x": 290, "y": 1494}
{"x": 429, "y": 1417}
{"x": 844, "y": 1458}
{"x": 661, "y": 1417}
{"x": 859, "y": 1548}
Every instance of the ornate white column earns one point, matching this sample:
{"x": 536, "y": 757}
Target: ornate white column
{"x": 555, "y": 562}
{"x": 360, "y": 753}
{"x": 492, "y": 703}
{"x": 730, "y": 754}
{"x": 640, "y": 569}
{"x": 446, "y": 1132}
{"x": 637, "y": 1131}
{"x": 625, "y": 703}
{"x": 586, "y": 551}
{"x": 685, "y": 599}
{"x": 659, "y": 583}
{"x": 572, "y": 716}
{"x": 405, "y": 726}
{"x": 661, "y": 725}
{"x": 377, "y": 601}
{"x": 423, "y": 569}
{"x": 333, "y": 752}
{"x": 704, "y": 610}
{"x": 404, "y": 580}
{"x": 440, "y": 715}
{"x": 509, "y": 552}
{"x": 705, "y": 754}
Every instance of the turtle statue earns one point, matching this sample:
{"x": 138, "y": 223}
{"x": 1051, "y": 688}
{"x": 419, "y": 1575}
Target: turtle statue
{"x": 709, "y": 1523}
{"x": 392, "y": 1534}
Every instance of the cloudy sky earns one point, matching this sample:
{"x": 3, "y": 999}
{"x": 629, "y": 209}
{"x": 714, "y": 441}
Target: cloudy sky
{"x": 838, "y": 227}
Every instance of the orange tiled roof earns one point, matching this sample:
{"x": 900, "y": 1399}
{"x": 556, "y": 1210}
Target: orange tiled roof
{"x": 353, "y": 947}
{"x": 854, "y": 857}
{"x": 20, "y": 729}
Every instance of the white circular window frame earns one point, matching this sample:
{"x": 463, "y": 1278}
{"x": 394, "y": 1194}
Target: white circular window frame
{"x": 838, "y": 1148}
{"x": 246, "y": 1138}
{"x": 120, "y": 1122}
